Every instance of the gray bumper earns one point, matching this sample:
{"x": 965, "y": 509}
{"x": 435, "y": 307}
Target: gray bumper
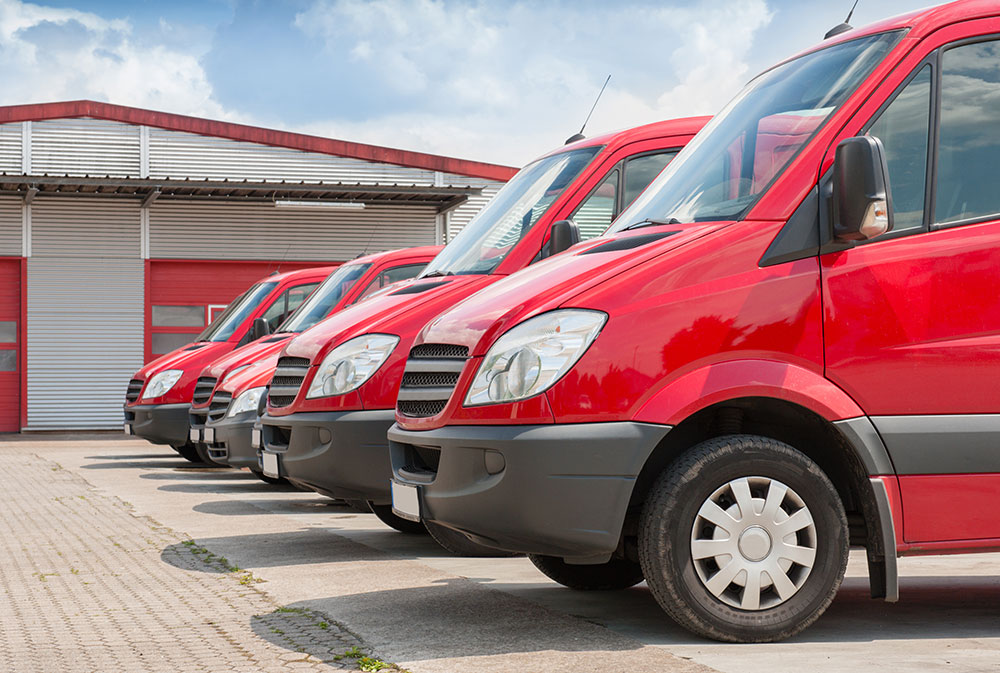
{"x": 559, "y": 490}
{"x": 159, "y": 423}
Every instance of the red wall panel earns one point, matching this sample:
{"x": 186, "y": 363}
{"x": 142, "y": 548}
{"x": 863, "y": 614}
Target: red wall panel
{"x": 10, "y": 310}
{"x": 203, "y": 283}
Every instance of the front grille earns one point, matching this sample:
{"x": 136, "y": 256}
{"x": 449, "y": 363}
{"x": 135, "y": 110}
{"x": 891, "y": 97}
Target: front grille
{"x": 203, "y": 390}
{"x": 220, "y": 404}
{"x": 287, "y": 379}
{"x": 133, "y": 390}
{"x": 431, "y": 375}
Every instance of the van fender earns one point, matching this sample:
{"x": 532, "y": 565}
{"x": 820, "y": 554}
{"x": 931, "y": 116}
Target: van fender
{"x": 713, "y": 383}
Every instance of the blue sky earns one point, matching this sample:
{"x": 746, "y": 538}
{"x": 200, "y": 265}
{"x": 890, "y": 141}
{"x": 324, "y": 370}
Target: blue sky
{"x": 494, "y": 81}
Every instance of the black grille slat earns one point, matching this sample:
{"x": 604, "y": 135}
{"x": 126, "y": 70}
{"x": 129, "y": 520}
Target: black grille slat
{"x": 430, "y": 377}
{"x": 421, "y": 409}
{"x": 439, "y": 351}
{"x": 203, "y": 390}
{"x": 133, "y": 390}
{"x": 287, "y": 379}
{"x": 220, "y": 405}
{"x": 430, "y": 380}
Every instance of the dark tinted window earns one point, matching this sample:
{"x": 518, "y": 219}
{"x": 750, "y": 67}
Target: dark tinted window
{"x": 903, "y": 129}
{"x": 640, "y": 171}
{"x": 969, "y": 147}
{"x": 289, "y": 300}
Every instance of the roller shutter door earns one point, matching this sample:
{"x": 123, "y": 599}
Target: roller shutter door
{"x": 10, "y": 227}
{"x": 85, "y": 312}
{"x": 198, "y": 230}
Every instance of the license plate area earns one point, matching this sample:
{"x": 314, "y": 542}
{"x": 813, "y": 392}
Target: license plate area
{"x": 209, "y": 435}
{"x": 256, "y": 441}
{"x": 405, "y": 501}
{"x": 128, "y": 429}
{"x": 269, "y": 464}
{"x": 194, "y": 434}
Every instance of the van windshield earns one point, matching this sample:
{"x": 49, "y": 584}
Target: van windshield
{"x": 236, "y": 313}
{"x": 485, "y": 241}
{"x": 722, "y": 173}
{"x": 324, "y": 298}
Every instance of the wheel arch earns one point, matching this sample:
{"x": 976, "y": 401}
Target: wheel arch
{"x": 849, "y": 451}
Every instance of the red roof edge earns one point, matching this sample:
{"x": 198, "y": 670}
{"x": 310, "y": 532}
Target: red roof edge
{"x": 253, "y": 134}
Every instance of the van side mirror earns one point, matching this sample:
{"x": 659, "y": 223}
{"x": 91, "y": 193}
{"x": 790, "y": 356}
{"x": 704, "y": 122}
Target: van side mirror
{"x": 260, "y": 329}
{"x": 862, "y": 204}
{"x": 563, "y": 235}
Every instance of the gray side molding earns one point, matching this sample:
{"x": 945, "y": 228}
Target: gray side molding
{"x": 861, "y": 434}
{"x": 883, "y": 572}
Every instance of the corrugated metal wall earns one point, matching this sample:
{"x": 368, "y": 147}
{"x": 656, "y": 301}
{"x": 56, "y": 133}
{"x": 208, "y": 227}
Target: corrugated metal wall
{"x": 10, "y": 148}
{"x": 85, "y": 311}
{"x": 177, "y": 154}
{"x": 85, "y": 147}
{"x": 11, "y": 223}
{"x": 200, "y": 230}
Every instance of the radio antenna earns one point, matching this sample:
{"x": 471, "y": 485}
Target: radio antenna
{"x": 579, "y": 136}
{"x": 842, "y": 27}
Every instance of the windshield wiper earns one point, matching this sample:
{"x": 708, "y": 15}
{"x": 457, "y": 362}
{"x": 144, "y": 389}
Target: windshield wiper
{"x": 649, "y": 222}
{"x": 438, "y": 274}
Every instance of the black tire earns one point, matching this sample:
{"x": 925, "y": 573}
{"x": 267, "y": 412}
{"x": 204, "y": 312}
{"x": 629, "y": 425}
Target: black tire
{"x": 386, "y": 516}
{"x": 459, "y": 545}
{"x": 669, "y": 515}
{"x": 188, "y": 452}
{"x": 274, "y": 481}
{"x": 614, "y": 575}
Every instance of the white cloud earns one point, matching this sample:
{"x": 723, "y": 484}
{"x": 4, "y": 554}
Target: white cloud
{"x": 51, "y": 54}
{"x": 503, "y": 82}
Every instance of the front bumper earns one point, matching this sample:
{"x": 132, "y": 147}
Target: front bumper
{"x": 232, "y": 444}
{"x": 341, "y": 454}
{"x": 159, "y": 423}
{"x": 558, "y": 490}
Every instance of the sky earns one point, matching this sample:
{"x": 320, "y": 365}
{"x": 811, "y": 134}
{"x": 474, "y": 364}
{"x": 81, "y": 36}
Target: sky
{"x": 493, "y": 81}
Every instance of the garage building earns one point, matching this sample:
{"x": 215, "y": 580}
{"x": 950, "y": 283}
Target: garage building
{"x": 123, "y": 231}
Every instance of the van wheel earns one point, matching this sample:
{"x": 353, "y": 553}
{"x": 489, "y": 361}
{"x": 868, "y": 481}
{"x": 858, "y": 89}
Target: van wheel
{"x": 188, "y": 452}
{"x": 743, "y": 539}
{"x": 274, "y": 481}
{"x": 386, "y": 516}
{"x": 614, "y": 575}
{"x": 459, "y": 545}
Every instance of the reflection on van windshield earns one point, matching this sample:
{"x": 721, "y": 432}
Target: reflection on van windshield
{"x": 727, "y": 167}
{"x": 326, "y": 296}
{"x": 485, "y": 241}
{"x": 223, "y": 327}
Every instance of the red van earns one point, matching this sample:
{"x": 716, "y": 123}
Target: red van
{"x": 159, "y": 394}
{"x": 789, "y": 344}
{"x": 222, "y": 417}
{"x": 334, "y": 390}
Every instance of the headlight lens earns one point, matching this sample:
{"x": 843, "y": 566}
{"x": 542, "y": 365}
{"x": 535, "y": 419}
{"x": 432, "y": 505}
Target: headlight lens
{"x": 532, "y": 356}
{"x": 161, "y": 383}
{"x": 350, "y": 364}
{"x": 247, "y": 401}
{"x": 233, "y": 372}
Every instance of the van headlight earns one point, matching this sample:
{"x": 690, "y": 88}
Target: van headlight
{"x": 350, "y": 364}
{"x": 532, "y": 356}
{"x": 161, "y": 383}
{"x": 248, "y": 400}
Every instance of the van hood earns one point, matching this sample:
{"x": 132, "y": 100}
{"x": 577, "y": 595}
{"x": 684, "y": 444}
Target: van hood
{"x": 190, "y": 357}
{"x": 549, "y": 284}
{"x": 256, "y": 375}
{"x": 419, "y": 299}
{"x": 246, "y": 355}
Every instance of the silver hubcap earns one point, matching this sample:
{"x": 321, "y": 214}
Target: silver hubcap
{"x": 753, "y": 543}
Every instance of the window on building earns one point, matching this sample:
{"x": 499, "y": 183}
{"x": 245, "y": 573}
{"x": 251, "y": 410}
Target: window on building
{"x": 178, "y": 316}
{"x": 164, "y": 342}
{"x": 8, "y": 331}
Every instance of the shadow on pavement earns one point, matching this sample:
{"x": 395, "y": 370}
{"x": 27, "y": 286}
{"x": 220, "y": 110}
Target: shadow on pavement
{"x": 199, "y": 472}
{"x": 245, "y": 486}
{"x": 319, "y": 505}
{"x": 138, "y": 456}
{"x": 163, "y": 462}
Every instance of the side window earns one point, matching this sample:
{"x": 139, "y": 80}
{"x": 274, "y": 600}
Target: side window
{"x": 597, "y": 211}
{"x": 903, "y": 128}
{"x": 969, "y": 137}
{"x": 289, "y": 300}
{"x": 640, "y": 171}
{"x": 390, "y": 276}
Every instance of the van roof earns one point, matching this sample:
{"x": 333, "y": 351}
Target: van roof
{"x": 683, "y": 126}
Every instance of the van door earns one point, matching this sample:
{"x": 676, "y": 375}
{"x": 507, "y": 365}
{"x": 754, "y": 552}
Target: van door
{"x": 912, "y": 319}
